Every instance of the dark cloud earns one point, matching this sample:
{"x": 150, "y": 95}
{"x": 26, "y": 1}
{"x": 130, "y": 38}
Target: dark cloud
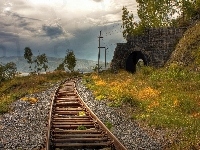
{"x": 10, "y": 44}
{"x": 30, "y": 29}
{"x": 5, "y": 24}
{"x": 2, "y": 51}
{"x": 8, "y": 35}
{"x": 21, "y": 22}
{"x": 19, "y": 17}
{"x": 53, "y": 31}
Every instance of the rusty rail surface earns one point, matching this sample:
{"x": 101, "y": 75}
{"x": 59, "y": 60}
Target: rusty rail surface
{"x": 72, "y": 125}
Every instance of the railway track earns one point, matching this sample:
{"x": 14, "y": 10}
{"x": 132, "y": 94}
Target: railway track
{"x": 73, "y": 126}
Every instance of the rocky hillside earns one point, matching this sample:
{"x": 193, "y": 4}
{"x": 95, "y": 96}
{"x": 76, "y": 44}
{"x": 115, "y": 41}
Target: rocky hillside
{"x": 187, "y": 52}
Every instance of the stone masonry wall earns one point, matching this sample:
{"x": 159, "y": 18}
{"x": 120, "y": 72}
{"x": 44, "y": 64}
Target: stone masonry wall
{"x": 156, "y": 44}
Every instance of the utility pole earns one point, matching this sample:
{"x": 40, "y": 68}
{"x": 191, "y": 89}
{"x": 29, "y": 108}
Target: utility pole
{"x": 105, "y": 57}
{"x": 99, "y": 51}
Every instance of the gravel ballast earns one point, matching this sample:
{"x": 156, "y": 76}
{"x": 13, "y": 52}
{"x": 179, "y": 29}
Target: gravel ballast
{"x": 24, "y": 127}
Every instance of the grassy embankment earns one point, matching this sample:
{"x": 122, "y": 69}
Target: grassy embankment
{"x": 163, "y": 98}
{"x": 187, "y": 52}
{"x": 18, "y": 87}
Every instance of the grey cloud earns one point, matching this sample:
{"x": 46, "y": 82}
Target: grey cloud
{"x": 32, "y": 25}
{"x": 53, "y": 31}
{"x": 18, "y": 17}
{"x": 26, "y": 25}
{"x": 7, "y": 38}
{"x": 2, "y": 50}
{"x": 8, "y": 34}
{"x": 23, "y": 23}
{"x": 5, "y": 24}
{"x": 2, "y": 47}
{"x": 30, "y": 29}
{"x": 17, "y": 20}
{"x": 9, "y": 44}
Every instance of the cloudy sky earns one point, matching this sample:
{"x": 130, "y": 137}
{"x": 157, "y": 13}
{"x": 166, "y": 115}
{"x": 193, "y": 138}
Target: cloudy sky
{"x": 53, "y": 26}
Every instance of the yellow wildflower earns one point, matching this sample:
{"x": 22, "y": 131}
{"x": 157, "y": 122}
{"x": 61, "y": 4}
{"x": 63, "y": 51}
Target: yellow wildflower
{"x": 176, "y": 103}
{"x": 196, "y": 115}
{"x": 100, "y": 82}
{"x": 153, "y": 104}
{"x": 94, "y": 77}
{"x": 30, "y": 99}
{"x": 148, "y": 93}
{"x": 81, "y": 113}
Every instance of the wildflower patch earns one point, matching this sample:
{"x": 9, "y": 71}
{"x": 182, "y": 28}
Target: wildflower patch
{"x": 30, "y": 99}
{"x": 148, "y": 93}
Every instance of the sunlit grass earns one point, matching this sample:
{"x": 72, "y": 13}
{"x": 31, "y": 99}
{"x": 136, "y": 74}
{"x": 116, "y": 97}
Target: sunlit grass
{"x": 165, "y": 98}
{"x": 19, "y": 87}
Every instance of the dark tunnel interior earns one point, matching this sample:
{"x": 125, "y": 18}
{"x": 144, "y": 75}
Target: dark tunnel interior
{"x": 133, "y": 59}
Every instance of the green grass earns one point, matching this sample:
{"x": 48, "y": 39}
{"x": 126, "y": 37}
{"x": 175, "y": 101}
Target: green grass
{"x": 187, "y": 51}
{"x": 108, "y": 124}
{"x": 162, "y": 98}
{"x": 81, "y": 127}
{"x": 18, "y": 87}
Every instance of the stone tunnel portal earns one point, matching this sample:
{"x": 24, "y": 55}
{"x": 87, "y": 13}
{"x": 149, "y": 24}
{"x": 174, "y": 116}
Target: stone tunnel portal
{"x": 133, "y": 59}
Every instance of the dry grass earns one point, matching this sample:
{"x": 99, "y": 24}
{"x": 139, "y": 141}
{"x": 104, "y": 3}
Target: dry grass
{"x": 19, "y": 87}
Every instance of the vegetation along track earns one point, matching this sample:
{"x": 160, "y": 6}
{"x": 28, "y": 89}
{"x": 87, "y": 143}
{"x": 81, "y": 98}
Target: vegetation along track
{"x": 72, "y": 125}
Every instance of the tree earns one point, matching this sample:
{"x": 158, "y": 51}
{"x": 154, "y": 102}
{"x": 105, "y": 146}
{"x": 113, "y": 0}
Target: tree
{"x": 28, "y": 55}
{"x": 188, "y": 8}
{"x": 61, "y": 67}
{"x": 1, "y": 73}
{"x": 10, "y": 70}
{"x": 158, "y": 13}
{"x": 70, "y": 60}
{"x": 40, "y": 61}
{"x": 7, "y": 71}
{"x": 129, "y": 25}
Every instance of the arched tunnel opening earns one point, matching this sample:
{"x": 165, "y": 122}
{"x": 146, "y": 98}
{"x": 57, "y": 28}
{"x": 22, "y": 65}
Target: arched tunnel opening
{"x": 133, "y": 59}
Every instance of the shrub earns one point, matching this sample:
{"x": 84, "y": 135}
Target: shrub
{"x": 7, "y": 71}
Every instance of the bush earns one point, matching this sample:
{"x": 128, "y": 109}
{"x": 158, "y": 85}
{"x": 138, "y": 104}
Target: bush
{"x": 7, "y": 71}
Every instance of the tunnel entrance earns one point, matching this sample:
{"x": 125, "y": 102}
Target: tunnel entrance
{"x": 133, "y": 59}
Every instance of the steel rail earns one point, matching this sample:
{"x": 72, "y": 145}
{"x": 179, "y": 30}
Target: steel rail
{"x": 50, "y": 116}
{"x": 118, "y": 145}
